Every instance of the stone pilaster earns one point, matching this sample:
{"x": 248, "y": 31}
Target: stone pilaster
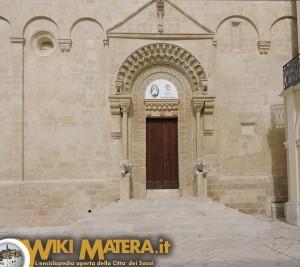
{"x": 125, "y": 104}
{"x": 17, "y": 107}
{"x": 198, "y": 105}
{"x": 119, "y": 107}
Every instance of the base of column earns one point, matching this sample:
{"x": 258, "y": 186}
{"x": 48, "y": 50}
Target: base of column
{"x": 292, "y": 212}
{"x": 125, "y": 187}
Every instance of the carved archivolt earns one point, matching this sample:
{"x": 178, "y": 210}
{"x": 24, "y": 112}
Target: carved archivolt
{"x": 161, "y": 53}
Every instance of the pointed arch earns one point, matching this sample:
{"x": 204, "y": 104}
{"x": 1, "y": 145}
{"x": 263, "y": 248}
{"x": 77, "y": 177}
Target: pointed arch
{"x": 160, "y": 53}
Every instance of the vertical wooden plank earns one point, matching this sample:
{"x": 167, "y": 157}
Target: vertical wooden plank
{"x": 162, "y": 153}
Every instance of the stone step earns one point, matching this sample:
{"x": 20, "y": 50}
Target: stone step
{"x": 181, "y": 200}
{"x": 168, "y": 221}
{"x": 163, "y": 207}
{"x": 223, "y": 213}
{"x": 163, "y": 193}
{"x": 178, "y": 215}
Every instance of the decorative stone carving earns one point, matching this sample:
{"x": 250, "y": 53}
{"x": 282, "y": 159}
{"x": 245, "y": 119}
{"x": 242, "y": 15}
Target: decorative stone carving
{"x": 65, "y": 45}
{"x": 124, "y": 167}
{"x": 118, "y": 104}
{"x": 200, "y": 171}
{"x": 207, "y": 104}
{"x": 162, "y": 108}
{"x": 125, "y": 182}
{"x": 286, "y": 145}
{"x": 263, "y": 47}
{"x": 124, "y": 107}
{"x": 161, "y": 53}
{"x": 198, "y": 107}
{"x": 201, "y": 167}
{"x": 106, "y": 42}
{"x": 160, "y": 4}
{"x": 186, "y": 128}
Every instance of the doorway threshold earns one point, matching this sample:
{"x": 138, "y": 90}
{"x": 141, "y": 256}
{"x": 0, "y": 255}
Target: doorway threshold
{"x": 162, "y": 193}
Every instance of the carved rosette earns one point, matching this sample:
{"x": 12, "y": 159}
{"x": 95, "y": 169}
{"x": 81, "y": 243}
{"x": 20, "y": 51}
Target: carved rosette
{"x": 65, "y": 45}
{"x": 161, "y": 53}
{"x": 264, "y": 47}
{"x": 164, "y": 108}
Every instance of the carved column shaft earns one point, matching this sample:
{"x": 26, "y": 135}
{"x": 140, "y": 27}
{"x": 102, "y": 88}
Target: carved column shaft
{"x": 198, "y": 107}
{"x": 124, "y": 110}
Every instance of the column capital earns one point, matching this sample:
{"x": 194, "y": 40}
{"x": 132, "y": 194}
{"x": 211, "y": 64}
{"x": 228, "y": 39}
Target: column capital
{"x": 118, "y": 103}
{"x": 205, "y": 104}
{"x": 124, "y": 107}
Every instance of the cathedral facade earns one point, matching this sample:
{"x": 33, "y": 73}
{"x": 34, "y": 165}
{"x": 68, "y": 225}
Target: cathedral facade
{"x": 107, "y": 100}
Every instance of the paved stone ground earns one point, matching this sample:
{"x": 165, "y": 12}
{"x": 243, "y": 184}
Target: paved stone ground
{"x": 202, "y": 233}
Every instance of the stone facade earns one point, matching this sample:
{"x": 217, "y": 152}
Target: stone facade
{"x": 73, "y": 76}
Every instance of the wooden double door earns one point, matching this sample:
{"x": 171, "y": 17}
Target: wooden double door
{"x": 162, "y": 153}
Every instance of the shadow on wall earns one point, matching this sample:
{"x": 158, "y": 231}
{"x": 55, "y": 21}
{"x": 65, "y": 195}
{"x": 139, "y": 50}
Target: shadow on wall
{"x": 276, "y": 138}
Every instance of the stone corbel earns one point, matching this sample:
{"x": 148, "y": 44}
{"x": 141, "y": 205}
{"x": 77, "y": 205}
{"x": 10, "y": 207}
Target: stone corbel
{"x": 204, "y": 85}
{"x": 208, "y": 116}
{"x": 65, "y": 45}
{"x": 17, "y": 40}
{"x": 118, "y": 104}
{"x": 263, "y": 47}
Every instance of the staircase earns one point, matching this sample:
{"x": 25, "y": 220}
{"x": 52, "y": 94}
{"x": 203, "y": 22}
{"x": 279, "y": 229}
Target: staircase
{"x": 177, "y": 215}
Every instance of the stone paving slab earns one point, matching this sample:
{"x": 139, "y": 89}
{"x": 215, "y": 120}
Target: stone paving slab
{"x": 271, "y": 243}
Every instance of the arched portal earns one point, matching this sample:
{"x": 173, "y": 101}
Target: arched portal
{"x": 161, "y": 135}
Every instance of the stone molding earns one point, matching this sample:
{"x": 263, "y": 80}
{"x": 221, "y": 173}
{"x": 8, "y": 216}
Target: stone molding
{"x": 158, "y": 36}
{"x": 119, "y": 104}
{"x": 65, "y": 45}
{"x": 161, "y": 53}
{"x": 17, "y": 40}
{"x": 205, "y": 104}
{"x": 263, "y": 47}
{"x": 162, "y": 108}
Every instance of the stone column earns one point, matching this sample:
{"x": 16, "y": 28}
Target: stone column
{"x": 17, "y": 108}
{"x": 292, "y": 111}
{"x": 124, "y": 109}
{"x": 198, "y": 107}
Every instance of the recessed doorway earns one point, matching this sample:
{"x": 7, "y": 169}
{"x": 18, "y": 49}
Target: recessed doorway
{"x": 162, "y": 153}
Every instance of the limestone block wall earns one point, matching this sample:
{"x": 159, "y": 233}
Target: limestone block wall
{"x": 58, "y": 65}
{"x": 249, "y": 115}
{"x": 6, "y": 100}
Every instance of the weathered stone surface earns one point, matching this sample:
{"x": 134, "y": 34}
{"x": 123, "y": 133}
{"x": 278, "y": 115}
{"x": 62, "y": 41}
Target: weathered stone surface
{"x": 61, "y": 61}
